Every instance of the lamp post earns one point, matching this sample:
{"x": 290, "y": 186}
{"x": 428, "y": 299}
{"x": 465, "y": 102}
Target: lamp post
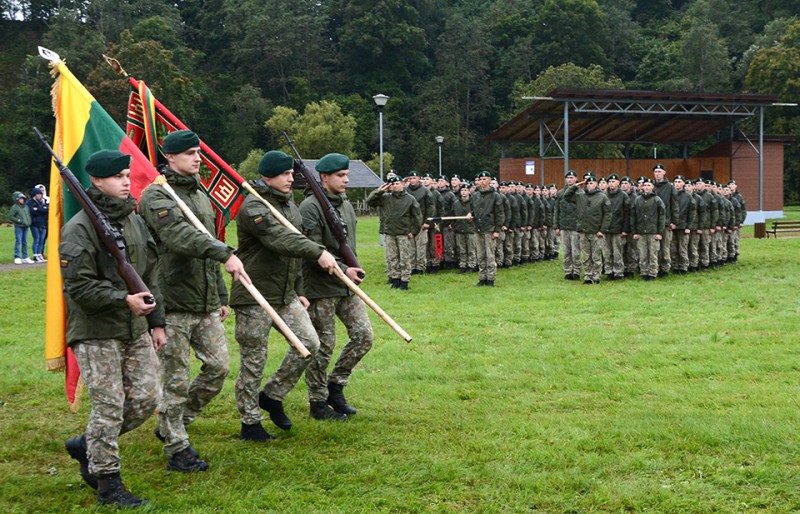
{"x": 380, "y": 101}
{"x": 439, "y": 141}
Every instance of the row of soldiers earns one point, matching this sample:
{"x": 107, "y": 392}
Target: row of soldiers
{"x": 133, "y": 350}
{"x": 654, "y": 225}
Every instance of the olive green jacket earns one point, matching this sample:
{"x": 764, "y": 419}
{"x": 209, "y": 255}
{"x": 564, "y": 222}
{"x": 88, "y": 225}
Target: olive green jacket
{"x": 488, "y": 208}
{"x": 426, "y": 200}
{"x": 271, "y": 253}
{"x": 647, "y": 214}
{"x": 564, "y": 211}
{"x": 318, "y": 282}
{"x": 189, "y": 268}
{"x": 593, "y": 211}
{"x": 93, "y": 290}
{"x": 400, "y": 212}
{"x": 462, "y": 208}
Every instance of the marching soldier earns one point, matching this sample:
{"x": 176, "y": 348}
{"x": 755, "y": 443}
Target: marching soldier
{"x": 329, "y": 298}
{"x": 195, "y": 298}
{"x": 271, "y": 253}
{"x": 108, "y": 328}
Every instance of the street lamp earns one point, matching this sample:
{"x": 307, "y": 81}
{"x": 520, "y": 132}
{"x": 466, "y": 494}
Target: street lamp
{"x": 380, "y": 101}
{"x": 439, "y": 141}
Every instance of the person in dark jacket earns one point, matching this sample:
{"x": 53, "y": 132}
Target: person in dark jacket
{"x": 647, "y": 223}
{"x": 488, "y": 211}
{"x": 593, "y": 216}
{"x": 108, "y": 328}
{"x": 39, "y": 209}
{"x": 687, "y": 218}
{"x": 195, "y": 296}
{"x": 20, "y": 216}
{"x": 669, "y": 196}
{"x": 618, "y": 229}
{"x": 565, "y": 223}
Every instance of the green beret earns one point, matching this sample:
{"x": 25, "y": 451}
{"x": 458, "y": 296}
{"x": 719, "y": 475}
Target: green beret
{"x": 392, "y": 180}
{"x": 570, "y": 173}
{"x": 427, "y": 175}
{"x": 647, "y": 181}
{"x": 455, "y": 176}
{"x": 107, "y": 163}
{"x": 483, "y": 173}
{"x": 444, "y": 177}
{"x": 274, "y": 163}
{"x": 589, "y": 177}
{"x": 332, "y": 163}
{"x": 412, "y": 174}
{"x": 552, "y": 186}
{"x": 732, "y": 182}
{"x": 537, "y": 188}
{"x": 640, "y": 179}
{"x": 613, "y": 176}
{"x": 602, "y": 179}
{"x": 179, "y": 141}
{"x": 625, "y": 179}
{"x": 658, "y": 166}
{"x": 679, "y": 177}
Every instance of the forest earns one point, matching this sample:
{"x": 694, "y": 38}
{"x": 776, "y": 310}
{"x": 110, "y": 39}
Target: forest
{"x": 238, "y": 72}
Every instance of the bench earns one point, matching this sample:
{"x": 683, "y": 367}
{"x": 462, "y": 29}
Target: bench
{"x": 783, "y": 226}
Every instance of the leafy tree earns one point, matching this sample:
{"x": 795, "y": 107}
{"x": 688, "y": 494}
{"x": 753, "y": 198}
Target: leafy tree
{"x": 244, "y": 122}
{"x": 571, "y": 31}
{"x": 248, "y": 168}
{"x": 704, "y": 58}
{"x": 320, "y": 130}
{"x": 567, "y": 75}
{"x": 659, "y": 67}
{"x": 112, "y": 17}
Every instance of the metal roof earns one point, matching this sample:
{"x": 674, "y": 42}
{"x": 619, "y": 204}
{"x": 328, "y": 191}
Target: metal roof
{"x": 632, "y": 117}
{"x": 361, "y": 175}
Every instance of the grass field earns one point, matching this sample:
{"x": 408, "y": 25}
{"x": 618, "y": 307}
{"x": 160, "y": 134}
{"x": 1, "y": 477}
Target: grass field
{"x": 539, "y": 395}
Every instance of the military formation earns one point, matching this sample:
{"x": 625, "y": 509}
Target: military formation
{"x": 134, "y": 350}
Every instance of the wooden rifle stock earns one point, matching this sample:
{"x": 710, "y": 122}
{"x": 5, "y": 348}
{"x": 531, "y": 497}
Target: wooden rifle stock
{"x": 337, "y": 226}
{"x": 111, "y": 237}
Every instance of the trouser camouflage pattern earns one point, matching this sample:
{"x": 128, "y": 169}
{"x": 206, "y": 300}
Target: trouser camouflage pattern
{"x": 631, "y": 255}
{"x": 508, "y": 247}
{"x": 552, "y": 242}
{"x": 664, "y": 257}
{"x": 449, "y": 245}
{"x": 519, "y": 234}
{"x": 420, "y": 251}
{"x": 537, "y": 243}
{"x": 722, "y": 252}
{"x": 591, "y": 247}
{"x": 571, "y": 249}
{"x": 732, "y": 241}
{"x": 499, "y": 248}
{"x": 487, "y": 265}
{"x": 525, "y": 244}
{"x": 694, "y": 249}
{"x": 182, "y": 402}
{"x": 252, "y": 332}
{"x": 737, "y": 234}
{"x": 399, "y": 256}
{"x": 706, "y": 248}
{"x": 122, "y": 378}
{"x": 432, "y": 259}
{"x": 716, "y": 243}
{"x": 323, "y": 313}
{"x": 614, "y": 263}
{"x": 680, "y": 241}
{"x": 467, "y": 250}
{"x": 648, "y": 247}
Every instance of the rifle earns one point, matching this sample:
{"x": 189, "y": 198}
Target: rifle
{"x": 111, "y": 237}
{"x": 338, "y": 227}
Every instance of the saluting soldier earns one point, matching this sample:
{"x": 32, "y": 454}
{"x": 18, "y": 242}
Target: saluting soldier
{"x": 618, "y": 229}
{"x": 108, "y": 328}
{"x": 195, "y": 297}
{"x": 565, "y": 223}
{"x": 329, "y": 298}
{"x": 593, "y": 216}
{"x": 271, "y": 253}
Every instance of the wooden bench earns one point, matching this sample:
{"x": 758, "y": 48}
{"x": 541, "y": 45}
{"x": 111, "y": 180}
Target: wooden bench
{"x": 783, "y": 226}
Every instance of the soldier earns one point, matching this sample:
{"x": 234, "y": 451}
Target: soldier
{"x": 271, "y": 253}
{"x": 666, "y": 191}
{"x": 401, "y": 218}
{"x": 500, "y": 247}
{"x": 647, "y": 223}
{"x": 742, "y": 217}
{"x": 195, "y": 298}
{"x": 593, "y": 216}
{"x": 108, "y": 328}
{"x": 618, "y": 228}
{"x": 565, "y": 223}
{"x": 683, "y": 223}
{"x": 466, "y": 238}
{"x": 433, "y": 262}
{"x": 552, "y": 239}
{"x": 631, "y": 253}
{"x": 694, "y": 227}
{"x": 427, "y": 205}
{"x": 488, "y": 211}
{"x": 329, "y": 298}
{"x": 513, "y": 225}
{"x": 448, "y": 198}
{"x": 707, "y": 216}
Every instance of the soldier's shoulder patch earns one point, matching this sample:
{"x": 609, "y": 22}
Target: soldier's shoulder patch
{"x": 162, "y": 213}
{"x": 258, "y": 220}
{"x": 64, "y": 263}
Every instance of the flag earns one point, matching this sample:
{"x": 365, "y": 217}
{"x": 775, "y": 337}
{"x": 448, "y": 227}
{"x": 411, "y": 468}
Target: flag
{"x": 82, "y": 128}
{"x": 149, "y": 122}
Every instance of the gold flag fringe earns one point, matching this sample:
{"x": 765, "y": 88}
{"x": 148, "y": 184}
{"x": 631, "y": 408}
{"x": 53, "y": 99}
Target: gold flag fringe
{"x": 76, "y": 406}
{"x": 59, "y": 364}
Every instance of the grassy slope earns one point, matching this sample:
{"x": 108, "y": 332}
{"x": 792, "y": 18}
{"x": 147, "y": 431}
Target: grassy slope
{"x": 673, "y": 396}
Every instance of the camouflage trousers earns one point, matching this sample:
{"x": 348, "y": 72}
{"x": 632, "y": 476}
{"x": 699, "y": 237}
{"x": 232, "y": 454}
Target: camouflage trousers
{"x": 706, "y": 248}
{"x": 508, "y": 246}
{"x": 487, "y": 265}
{"x": 122, "y": 380}
{"x": 252, "y": 332}
{"x": 323, "y": 313}
{"x": 519, "y": 235}
{"x": 552, "y": 242}
{"x": 648, "y": 247}
{"x": 592, "y": 249}
{"x": 525, "y": 245}
{"x": 467, "y": 250}
{"x": 664, "y": 257}
{"x": 680, "y": 242}
{"x": 499, "y": 248}
{"x": 399, "y": 256}
{"x": 631, "y": 255}
{"x": 449, "y": 245}
{"x": 537, "y": 243}
{"x": 419, "y": 257}
{"x": 614, "y": 249}
{"x": 719, "y": 247}
{"x": 737, "y": 234}
{"x": 731, "y": 242}
{"x": 694, "y": 249}
{"x": 183, "y": 401}
{"x": 431, "y": 258}
{"x": 571, "y": 248}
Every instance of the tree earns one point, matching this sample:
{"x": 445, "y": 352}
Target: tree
{"x": 571, "y": 31}
{"x": 704, "y": 58}
{"x": 320, "y": 130}
{"x": 244, "y": 122}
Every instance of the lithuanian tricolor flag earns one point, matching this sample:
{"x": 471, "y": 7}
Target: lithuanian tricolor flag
{"x": 82, "y": 128}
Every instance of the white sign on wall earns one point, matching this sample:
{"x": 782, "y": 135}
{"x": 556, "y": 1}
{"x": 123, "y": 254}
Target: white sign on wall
{"x": 530, "y": 167}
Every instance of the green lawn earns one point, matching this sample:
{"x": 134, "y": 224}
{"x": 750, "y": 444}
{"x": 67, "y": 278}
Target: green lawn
{"x": 539, "y": 395}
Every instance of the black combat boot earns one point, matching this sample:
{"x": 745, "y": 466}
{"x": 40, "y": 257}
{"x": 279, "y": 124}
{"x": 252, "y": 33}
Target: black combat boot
{"x": 337, "y": 400}
{"x": 111, "y": 491}
{"x": 76, "y": 447}
{"x": 163, "y": 439}
{"x": 404, "y": 285}
{"x": 489, "y": 283}
{"x": 321, "y": 411}
{"x": 186, "y": 461}
{"x": 255, "y": 432}
{"x": 275, "y": 409}
{"x": 461, "y": 271}
{"x": 395, "y": 283}
{"x": 481, "y": 282}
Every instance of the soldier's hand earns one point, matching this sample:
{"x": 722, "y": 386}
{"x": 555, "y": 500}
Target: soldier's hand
{"x": 623, "y": 234}
{"x": 327, "y": 262}
{"x": 558, "y": 231}
{"x": 687, "y": 231}
{"x": 672, "y": 226}
{"x": 410, "y": 235}
{"x": 635, "y": 237}
{"x": 495, "y": 235}
{"x": 304, "y": 302}
{"x": 425, "y": 226}
{"x": 658, "y": 237}
{"x": 224, "y": 312}
{"x": 600, "y": 235}
{"x": 159, "y": 338}
{"x": 469, "y": 215}
{"x": 235, "y": 267}
{"x": 355, "y": 274}
{"x": 138, "y": 306}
